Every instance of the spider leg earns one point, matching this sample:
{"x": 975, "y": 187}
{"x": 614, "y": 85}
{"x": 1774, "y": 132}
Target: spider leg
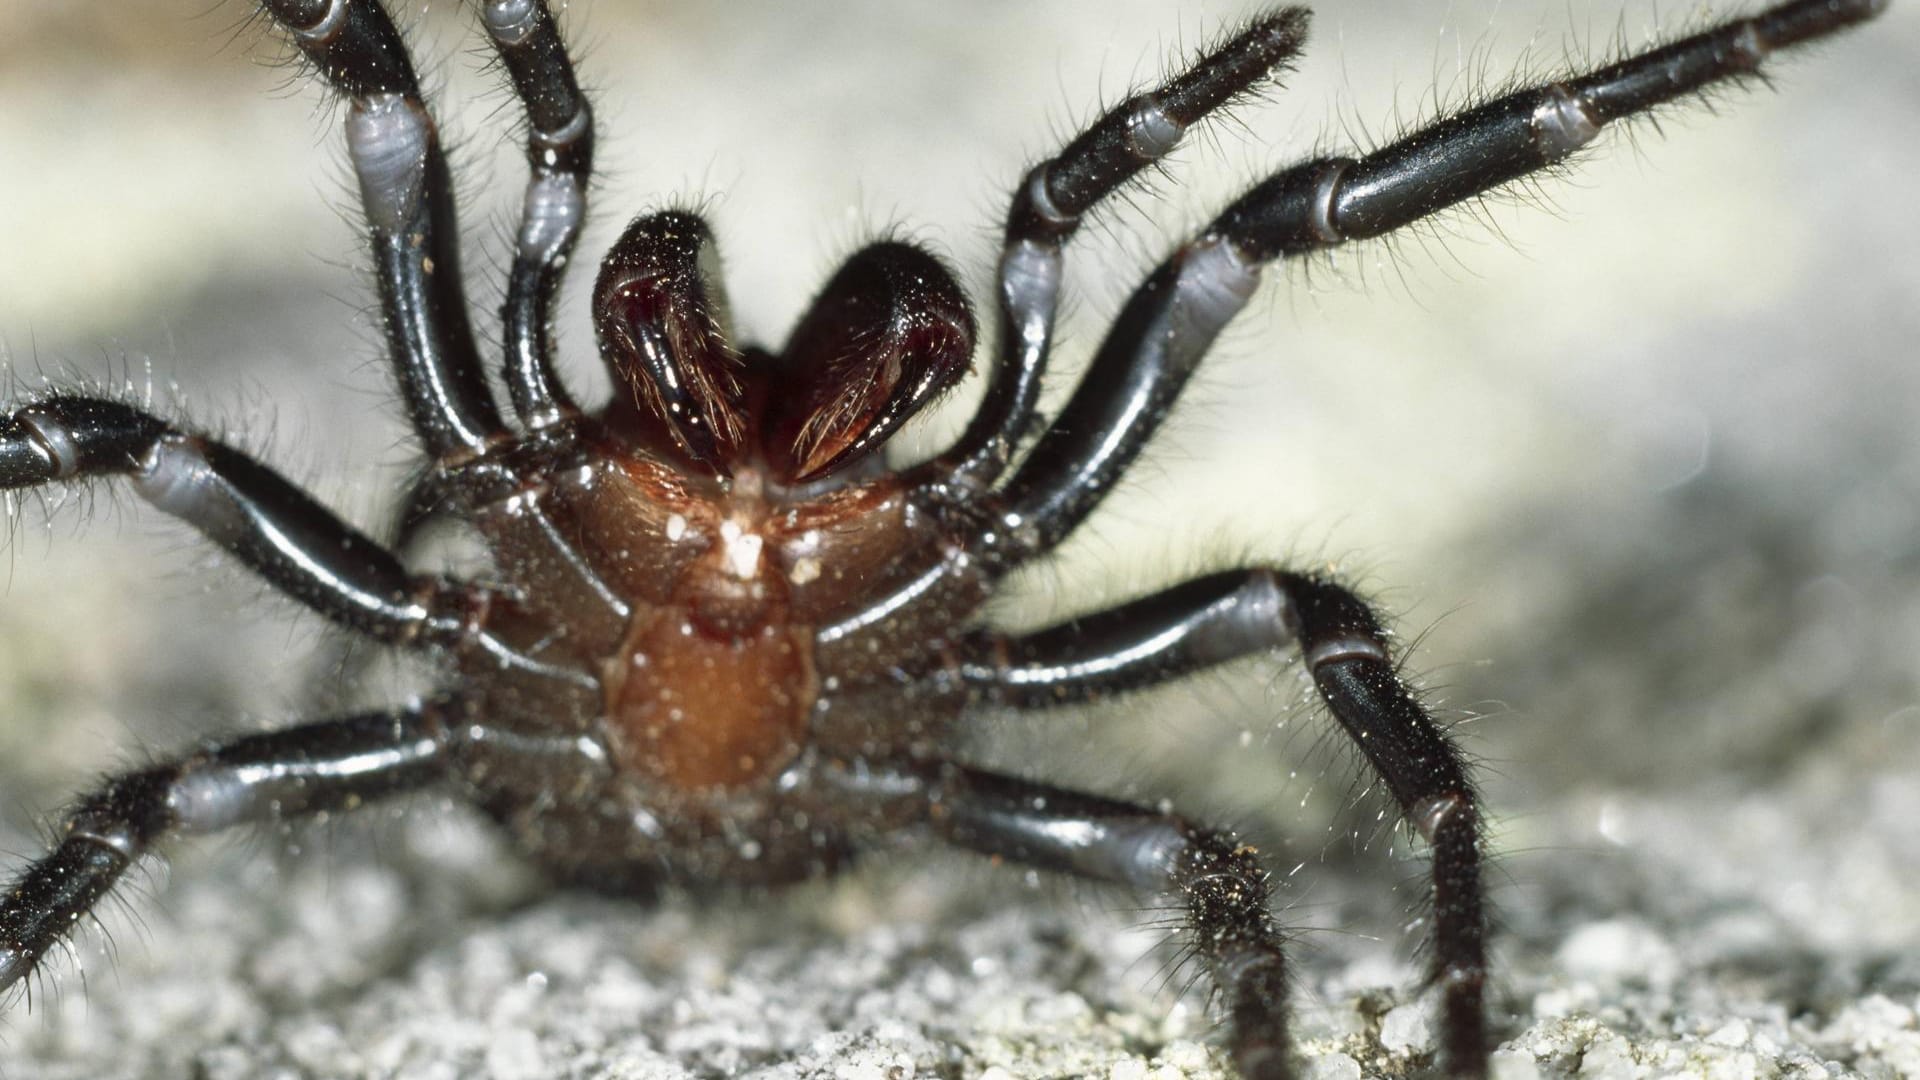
{"x": 560, "y": 155}
{"x": 1056, "y": 194}
{"x": 408, "y": 197}
{"x": 1171, "y": 320}
{"x": 275, "y": 529}
{"x": 273, "y": 776}
{"x": 1216, "y": 879}
{"x": 504, "y": 496}
{"x": 1169, "y": 323}
{"x": 1239, "y": 613}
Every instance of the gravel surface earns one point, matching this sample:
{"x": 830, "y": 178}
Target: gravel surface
{"x": 1638, "y": 472}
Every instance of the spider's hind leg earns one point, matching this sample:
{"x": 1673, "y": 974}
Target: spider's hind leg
{"x": 1215, "y": 881}
{"x": 274, "y": 776}
{"x": 1241, "y": 613}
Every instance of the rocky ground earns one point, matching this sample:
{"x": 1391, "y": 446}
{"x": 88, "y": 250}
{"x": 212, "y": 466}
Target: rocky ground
{"x": 1639, "y": 474}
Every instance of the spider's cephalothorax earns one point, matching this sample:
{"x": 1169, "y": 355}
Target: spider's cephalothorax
{"x": 721, "y": 640}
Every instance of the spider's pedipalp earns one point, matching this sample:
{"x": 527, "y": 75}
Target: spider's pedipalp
{"x": 1049, "y": 205}
{"x": 1156, "y": 342}
{"x": 560, "y": 159}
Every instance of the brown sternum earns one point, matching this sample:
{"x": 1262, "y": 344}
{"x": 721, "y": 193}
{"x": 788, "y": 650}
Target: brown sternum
{"x": 693, "y": 710}
{"x": 712, "y": 689}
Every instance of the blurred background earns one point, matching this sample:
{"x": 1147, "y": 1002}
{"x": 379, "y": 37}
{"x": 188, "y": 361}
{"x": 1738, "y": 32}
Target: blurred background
{"x": 1631, "y": 455}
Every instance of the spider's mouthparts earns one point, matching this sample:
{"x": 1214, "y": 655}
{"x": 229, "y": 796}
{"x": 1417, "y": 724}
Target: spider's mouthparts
{"x": 887, "y": 335}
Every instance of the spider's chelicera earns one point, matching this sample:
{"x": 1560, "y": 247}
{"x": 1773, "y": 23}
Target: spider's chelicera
{"x": 721, "y": 640}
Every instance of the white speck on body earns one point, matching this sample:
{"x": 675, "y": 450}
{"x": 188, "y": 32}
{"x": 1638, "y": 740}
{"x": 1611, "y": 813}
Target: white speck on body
{"x": 741, "y": 550}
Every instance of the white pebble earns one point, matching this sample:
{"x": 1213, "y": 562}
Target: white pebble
{"x": 1404, "y": 1030}
{"x": 1732, "y": 1033}
{"x": 1333, "y": 1067}
{"x": 1513, "y": 1065}
{"x": 1618, "y": 949}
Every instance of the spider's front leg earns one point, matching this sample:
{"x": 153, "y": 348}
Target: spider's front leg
{"x": 1055, "y": 198}
{"x": 1234, "y": 614}
{"x": 408, "y": 197}
{"x": 276, "y": 530}
{"x": 255, "y": 779}
{"x": 504, "y": 492}
{"x": 1169, "y": 323}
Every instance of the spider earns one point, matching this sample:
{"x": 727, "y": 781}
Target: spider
{"x": 721, "y": 640}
